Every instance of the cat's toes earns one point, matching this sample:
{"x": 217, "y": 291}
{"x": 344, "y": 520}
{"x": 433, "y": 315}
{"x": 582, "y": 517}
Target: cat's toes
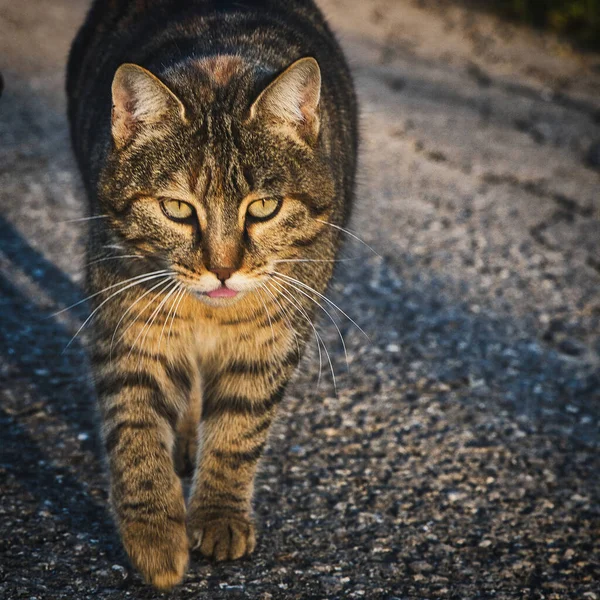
{"x": 161, "y": 554}
{"x": 223, "y": 537}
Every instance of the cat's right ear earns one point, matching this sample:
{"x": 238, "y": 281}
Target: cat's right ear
{"x": 140, "y": 100}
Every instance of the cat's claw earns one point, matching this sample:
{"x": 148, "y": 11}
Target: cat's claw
{"x": 224, "y": 538}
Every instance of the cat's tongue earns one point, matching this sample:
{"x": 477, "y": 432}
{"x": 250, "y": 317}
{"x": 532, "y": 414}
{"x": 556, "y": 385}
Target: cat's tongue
{"x": 222, "y": 292}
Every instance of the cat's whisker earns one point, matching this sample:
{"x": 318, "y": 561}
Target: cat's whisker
{"x": 150, "y": 278}
{"x": 314, "y": 260}
{"x": 105, "y": 258}
{"x": 268, "y": 315}
{"x": 351, "y": 234}
{"x": 175, "y": 291}
{"x": 82, "y": 219}
{"x": 286, "y": 313}
{"x": 110, "y": 287}
{"x": 328, "y": 314}
{"x": 112, "y": 341}
{"x": 278, "y": 275}
{"x": 280, "y": 290}
{"x": 319, "y": 338}
{"x": 179, "y": 299}
{"x": 155, "y": 314}
{"x": 148, "y": 324}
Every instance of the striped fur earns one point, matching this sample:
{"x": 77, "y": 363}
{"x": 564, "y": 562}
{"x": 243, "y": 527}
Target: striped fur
{"x": 217, "y": 106}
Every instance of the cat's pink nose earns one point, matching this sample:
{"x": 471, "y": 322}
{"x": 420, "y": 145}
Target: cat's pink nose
{"x": 223, "y": 273}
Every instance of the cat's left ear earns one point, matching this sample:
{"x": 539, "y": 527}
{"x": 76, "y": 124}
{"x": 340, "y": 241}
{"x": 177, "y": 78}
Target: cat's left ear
{"x": 293, "y": 100}
{"x": 140, "y": 100}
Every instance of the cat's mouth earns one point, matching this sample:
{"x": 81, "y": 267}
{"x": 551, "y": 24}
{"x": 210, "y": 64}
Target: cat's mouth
{"x": 222, "y": 292}
{"x": 221, "y": 296}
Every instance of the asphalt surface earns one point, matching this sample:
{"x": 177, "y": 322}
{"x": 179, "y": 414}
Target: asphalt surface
{"x": 459, "y": 458}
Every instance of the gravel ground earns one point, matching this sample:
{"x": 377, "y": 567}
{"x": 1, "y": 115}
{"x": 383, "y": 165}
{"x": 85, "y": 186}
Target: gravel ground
{"x": 459, "y": 457}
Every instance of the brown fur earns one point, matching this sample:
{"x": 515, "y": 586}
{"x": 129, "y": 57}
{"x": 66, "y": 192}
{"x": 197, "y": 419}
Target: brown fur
{"x": 186, "y": 382}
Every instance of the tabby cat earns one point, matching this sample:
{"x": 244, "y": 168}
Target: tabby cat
{"x": 217, "y": 141}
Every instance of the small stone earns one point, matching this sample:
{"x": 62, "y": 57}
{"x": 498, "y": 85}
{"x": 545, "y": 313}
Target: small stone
{"x": 578, "y": 498}
{"x": 297, "y": 450}
{"x": 394, "y": 348}
{"x": 226, "y": 586}
{"x": 82, "y": 437}
{"x": 420, "y": 566}
{"x": 571, "y": 348}
{"x": 485, "y": 544}
{"x": 455, "y": 496}
{"x": 122, "y": 571}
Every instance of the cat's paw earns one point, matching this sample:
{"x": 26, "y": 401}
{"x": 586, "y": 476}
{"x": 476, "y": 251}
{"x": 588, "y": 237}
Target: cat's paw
{"x": 223, "y": 537}
{"x": 161, "y": 554}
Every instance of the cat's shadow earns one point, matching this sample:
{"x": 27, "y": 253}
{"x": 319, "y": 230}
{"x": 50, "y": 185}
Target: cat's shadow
{"x": 49, "y": 432}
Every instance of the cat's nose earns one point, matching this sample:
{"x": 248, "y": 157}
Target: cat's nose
{"x": 223, "y": 273}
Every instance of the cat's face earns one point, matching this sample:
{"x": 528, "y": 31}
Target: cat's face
{"x": 223, "y": 194}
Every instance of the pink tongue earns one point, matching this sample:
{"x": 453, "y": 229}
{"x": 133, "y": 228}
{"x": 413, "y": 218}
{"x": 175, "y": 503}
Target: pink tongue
{"x": 222, "y": 292}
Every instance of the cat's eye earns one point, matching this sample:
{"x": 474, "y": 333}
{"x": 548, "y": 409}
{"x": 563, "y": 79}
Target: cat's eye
{"x": 177, "y": 210}
{"x": 266, "y": 208}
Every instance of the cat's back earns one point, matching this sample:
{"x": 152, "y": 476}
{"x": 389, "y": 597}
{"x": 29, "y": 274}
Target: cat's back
{"x": 160, "y": 34}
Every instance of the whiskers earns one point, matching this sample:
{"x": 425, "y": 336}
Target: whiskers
{"x": 84, "y": 219}
{"x": 314, "y": 260}
{"x": 297, "y": 284}
{"x": 108, "y": 258}
{"x": 163, "y": 283}
{"x": 351, "y": 234}
{"x": 123, "y": 286}
{"x": 300, "y": 309}
{"x": 292, "y": 291}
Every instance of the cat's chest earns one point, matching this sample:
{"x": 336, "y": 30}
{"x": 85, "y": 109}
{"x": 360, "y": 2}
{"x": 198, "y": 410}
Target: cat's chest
{"x": 223, "y": 342}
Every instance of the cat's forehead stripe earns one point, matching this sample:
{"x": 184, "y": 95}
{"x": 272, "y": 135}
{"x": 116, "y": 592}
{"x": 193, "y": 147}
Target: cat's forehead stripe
{"x": 221, "y": 69}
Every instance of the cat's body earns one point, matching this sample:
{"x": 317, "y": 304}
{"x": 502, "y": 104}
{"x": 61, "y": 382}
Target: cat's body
{"x": 219, "y": 185}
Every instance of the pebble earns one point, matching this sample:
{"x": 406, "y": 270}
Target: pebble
{"x": 226, "y": 586}
{"x": 571, "y": 348}
{"x": 420, "y": 566}
{"x": 122, "y": 571}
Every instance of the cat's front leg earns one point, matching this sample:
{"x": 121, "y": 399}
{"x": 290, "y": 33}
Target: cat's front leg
{"x": 141, "y": 401}
{"x": 237, "y": 413}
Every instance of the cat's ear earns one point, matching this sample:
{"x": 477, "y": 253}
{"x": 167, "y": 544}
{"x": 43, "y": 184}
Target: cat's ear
{"x": 293, "y": 99}
{"x": 140, "y": 100}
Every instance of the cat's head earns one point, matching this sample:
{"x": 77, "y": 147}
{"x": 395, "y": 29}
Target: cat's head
{"x": 219, "y": 173}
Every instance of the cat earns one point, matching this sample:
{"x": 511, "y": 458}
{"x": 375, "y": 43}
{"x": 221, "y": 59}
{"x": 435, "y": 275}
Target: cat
{"x": 217, "y": 142}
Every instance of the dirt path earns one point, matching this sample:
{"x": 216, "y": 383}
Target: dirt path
{"x": 460, "y": 456}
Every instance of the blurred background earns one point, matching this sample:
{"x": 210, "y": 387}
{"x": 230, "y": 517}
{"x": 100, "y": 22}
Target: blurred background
{"x": 579, "y": 19}
{"x": 459, "y": 456}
